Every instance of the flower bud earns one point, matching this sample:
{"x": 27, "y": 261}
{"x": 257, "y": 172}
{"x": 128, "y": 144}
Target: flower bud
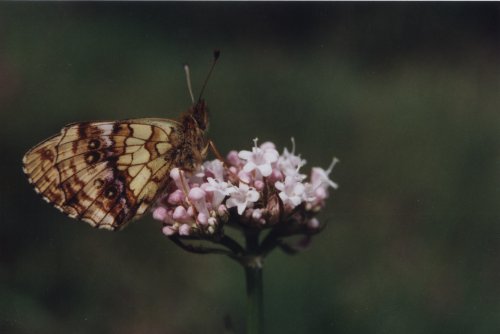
{"x": 202, "y": 218}
{"x": 313, "y": 224}
{"x": 180, "y": 214}
{"x": 168, "y": 230}
{"x": 176, "y": 197}
{"x": 160, "y": 213}
{"x": 184, "y": 229}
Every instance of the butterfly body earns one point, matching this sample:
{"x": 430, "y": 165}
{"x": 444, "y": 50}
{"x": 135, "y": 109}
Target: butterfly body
{"x": 108, "y": 173}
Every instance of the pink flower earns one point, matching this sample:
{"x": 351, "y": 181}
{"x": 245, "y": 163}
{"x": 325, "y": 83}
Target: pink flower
{"x": 160, "y": 213}
{"x": 292, "y": 191}
{"x": 216, "y": 168}
{"x": 245, "y": 177}
{"x": 321, "y": 177}
{"x": 168, "y": 230}
{"x": 219, "y": 190}
{"x": 259, "y": 185}
{"x": 197, "y": 198}
{"x": 313, "y": 224}
{"x": 233, "y": 159}
{"x": 184, "y": 229}
{"x": 242, "y": 197}
{"x": 176, "y": 197}
{"x": 180, "y": 214}
{"x": 198, "y": 203}
{"x": 259, "y": 159}
{"x": 289, "y": 164}
{"x": 268, "y": 146}
{"x": 178, "y": 176}
{"x": 317, "y": 191}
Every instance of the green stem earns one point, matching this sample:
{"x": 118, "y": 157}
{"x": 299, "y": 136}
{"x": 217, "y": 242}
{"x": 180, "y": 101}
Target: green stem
{"x": 254, "y": 299}
{"x": 253, "y": 274}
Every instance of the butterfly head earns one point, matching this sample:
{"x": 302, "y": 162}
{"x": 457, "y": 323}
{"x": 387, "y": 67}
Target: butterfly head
{"x": 199, "y": 112}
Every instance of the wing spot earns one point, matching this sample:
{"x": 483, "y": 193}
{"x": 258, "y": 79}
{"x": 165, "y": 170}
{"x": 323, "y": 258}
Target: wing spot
{"x": 92, "y": 157}
{"x": 94, "y": 144}
{"x": 111, "y": 192}
{"x": 47, "y": 154}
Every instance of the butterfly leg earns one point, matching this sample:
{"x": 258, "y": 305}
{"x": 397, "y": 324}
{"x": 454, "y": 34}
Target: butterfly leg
{"x": 186, "y": 190}
{"x": 217, "y": 153}
{"x": 183, "y": 183}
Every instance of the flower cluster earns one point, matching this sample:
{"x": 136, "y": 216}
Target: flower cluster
{"x": 258, "y": 188}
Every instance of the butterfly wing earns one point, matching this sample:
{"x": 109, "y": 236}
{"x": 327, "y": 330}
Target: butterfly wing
{"x": 104, "y": 173}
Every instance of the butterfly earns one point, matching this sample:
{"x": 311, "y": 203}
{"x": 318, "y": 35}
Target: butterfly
{"x": 109, "y": 173}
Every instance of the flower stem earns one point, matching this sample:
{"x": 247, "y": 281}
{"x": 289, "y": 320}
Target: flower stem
{"x": 254, "y": 299}
{"x": 253, "y": 274}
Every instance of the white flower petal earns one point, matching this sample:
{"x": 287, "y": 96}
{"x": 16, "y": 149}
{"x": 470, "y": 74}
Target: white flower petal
{"x": 231, "y": 202}
{"x": 295, "y": 200}
{"x": 265, "y": 169}
{"x": 252, "y": 196}
{"x": 247, "y": 155}
{"x": 271, "y": 155}
{"x": 249, "y": 166}
{"x": 298, "y": 188}
{"x": 241, "y": 208}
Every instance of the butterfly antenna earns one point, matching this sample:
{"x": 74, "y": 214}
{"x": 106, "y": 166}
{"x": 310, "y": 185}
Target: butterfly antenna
{"x": 216, "y": 57}
{"x": 188, "y": 79}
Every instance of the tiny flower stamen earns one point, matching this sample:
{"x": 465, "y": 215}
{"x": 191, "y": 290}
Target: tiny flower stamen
{"x": 332, "y": 164}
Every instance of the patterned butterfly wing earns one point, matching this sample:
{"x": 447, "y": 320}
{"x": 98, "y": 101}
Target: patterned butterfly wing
{"x": 104, "y": 173}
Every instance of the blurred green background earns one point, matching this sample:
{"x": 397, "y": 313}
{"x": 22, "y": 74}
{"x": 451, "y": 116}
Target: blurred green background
{"x": 406, "y": 95}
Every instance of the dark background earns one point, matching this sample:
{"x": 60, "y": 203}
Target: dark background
{"x": 406, "y": 95}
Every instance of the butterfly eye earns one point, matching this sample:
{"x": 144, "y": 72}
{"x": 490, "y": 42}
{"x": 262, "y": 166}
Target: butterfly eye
{"x": 92, "y": 157}
{"x": 94, "y": 144}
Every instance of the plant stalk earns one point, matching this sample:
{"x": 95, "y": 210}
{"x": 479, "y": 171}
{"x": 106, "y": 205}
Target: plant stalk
{"x": 253, "y": 274}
